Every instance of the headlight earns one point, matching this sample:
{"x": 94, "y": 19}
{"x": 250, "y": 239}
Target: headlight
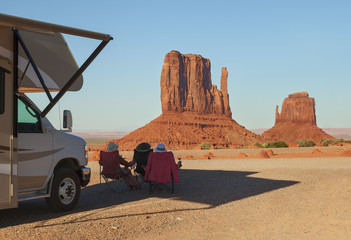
{"x": 86, "y": 151}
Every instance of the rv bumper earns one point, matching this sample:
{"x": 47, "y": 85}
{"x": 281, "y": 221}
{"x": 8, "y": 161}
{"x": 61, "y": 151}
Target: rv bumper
{"x": 85, "y": 176}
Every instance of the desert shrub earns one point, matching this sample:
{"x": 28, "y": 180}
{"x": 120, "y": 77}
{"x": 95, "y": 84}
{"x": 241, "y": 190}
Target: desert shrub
{"x": 344, "y": 140}
{"x": 257, "y": 144}
{"x": 306, "y": 143}
{"x": 278, "y": 144}
{"x": 205, "y": 146}
{"x": 327, "y": 142}
{"x": 219, "y": 147}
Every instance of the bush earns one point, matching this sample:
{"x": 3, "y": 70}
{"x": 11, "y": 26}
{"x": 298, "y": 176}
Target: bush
{"x": 205, "y": 146}
{"x": 327, "y": 142}
{"x": 305, "y": 143}
{"x": 257, "y": 144}
{"x": 278, "y": 144}
{"x": 219, "y": 147}
{"x": 344, "y": 141}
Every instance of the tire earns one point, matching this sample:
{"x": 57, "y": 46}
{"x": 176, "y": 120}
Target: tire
{"x": 65, "y": 190}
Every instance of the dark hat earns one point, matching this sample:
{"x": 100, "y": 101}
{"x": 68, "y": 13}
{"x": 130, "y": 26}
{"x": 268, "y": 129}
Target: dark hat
{"x": 143, "y": 147}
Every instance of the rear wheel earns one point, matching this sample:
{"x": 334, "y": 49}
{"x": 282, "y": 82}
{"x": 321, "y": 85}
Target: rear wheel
{"x": 65, "y": 190}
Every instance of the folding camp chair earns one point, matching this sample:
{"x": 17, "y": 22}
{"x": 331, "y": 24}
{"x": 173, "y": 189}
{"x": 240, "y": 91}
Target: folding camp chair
{"x": 161, "y": 170}
{"x": 141, "y": 154}
{"x": 111, "y": 173}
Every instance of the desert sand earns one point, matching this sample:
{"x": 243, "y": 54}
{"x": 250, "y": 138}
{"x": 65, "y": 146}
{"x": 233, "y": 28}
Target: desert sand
{"x": 228, "y": 198}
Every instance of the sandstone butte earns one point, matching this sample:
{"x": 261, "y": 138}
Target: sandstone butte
{"x": 193, "y": 109}
{"x": 297, "y": 120}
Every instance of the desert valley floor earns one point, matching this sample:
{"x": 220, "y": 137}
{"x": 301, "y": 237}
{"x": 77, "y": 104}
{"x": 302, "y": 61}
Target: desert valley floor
{"x": 283, "y": 197}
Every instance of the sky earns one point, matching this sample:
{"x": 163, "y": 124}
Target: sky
{"x": 270, "y": 48}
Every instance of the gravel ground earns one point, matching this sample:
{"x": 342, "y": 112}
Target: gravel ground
{"x": 300, "y": 198}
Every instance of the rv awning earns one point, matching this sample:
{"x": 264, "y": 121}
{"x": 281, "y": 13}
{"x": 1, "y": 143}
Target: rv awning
{"x": 41, "y": 57}
{"x": 50, "y": 53}
{"x": 49, "y": 50}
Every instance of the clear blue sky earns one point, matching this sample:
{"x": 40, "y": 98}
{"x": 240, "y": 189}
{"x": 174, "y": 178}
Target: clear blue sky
{"x": 271, "y": 49}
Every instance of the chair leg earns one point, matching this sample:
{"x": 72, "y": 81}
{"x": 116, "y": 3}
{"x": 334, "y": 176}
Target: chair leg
{"x": 150, "y": 187}
{"x": 172, "y": 185}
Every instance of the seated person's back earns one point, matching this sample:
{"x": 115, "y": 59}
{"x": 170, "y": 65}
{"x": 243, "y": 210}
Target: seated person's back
{"x": 141, "y": 154}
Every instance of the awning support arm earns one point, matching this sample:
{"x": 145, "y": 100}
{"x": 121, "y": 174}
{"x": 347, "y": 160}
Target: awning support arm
{"x": 31, "y": 60}
{"x": 75, "y": 76}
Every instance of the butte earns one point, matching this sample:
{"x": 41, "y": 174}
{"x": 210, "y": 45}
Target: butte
{"x": 193, "y": 110}
{"x": 297, "y": 120}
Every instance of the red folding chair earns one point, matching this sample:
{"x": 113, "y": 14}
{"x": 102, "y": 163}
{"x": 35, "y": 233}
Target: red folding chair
{"x": 111, "y": 173}
{"x": 161, "y": 170}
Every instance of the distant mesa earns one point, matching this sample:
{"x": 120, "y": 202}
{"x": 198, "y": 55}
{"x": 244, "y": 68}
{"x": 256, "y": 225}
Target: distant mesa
{"x": 193, "y": 109}
{"x": 297, "y": 120}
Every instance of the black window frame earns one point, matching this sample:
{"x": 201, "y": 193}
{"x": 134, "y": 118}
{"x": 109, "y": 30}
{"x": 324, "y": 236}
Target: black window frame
{"x": 2, "y": 92}
{"x": 2, "y": 89}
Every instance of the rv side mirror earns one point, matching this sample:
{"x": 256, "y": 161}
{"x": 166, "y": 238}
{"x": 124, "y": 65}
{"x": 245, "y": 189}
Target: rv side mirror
{"x": 67, "y": 119}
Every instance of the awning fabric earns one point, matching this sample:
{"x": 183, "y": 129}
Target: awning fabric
{"x": 51, "y": 55}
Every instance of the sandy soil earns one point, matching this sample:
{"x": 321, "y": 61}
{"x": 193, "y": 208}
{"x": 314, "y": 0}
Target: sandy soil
{"x": 276, "y": 198}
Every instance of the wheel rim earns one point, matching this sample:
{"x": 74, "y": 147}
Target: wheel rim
{"x": 67, "y": 191}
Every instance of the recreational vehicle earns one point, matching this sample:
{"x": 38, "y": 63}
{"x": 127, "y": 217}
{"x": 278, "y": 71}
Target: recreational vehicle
{"x": 36, "y": 160}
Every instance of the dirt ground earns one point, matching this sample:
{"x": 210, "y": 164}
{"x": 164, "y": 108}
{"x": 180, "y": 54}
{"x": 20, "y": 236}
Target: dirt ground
{"x": 249, "y": 198}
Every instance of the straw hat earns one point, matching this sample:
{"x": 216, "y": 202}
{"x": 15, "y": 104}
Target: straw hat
{"x": 160, "y": 148}
{"x": 143, "y": 147}
{"x": 112, "y": 147}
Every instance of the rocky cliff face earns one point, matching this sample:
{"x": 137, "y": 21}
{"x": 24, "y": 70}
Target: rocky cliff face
{"x": 297, "y": 120}
{"x": 186, "y": 86}
{"x": 297, "y": 108}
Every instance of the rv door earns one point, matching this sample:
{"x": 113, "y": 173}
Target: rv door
{"x": 8, "y": 161}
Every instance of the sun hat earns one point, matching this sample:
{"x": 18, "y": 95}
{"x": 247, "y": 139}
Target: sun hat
{"x": 160, "y": 148}
{"x": 143, "y": 147}
{"x": 112, "y": 147}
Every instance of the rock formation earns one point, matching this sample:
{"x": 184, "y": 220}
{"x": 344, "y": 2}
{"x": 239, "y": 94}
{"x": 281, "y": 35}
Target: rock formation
{"x": 193, "y": 110}
{"x": 297, "y": 108}
{"x": 186, "y": 86}
{"x": 297, "y": 120}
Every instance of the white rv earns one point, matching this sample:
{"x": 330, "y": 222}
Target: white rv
{"x": 36, "y": 160}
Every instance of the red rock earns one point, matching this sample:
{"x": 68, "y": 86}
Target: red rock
{"x": 186, "y": 85}
{"x": 224, "y": 90}
{"x": 209, "y": 155}
{"x": 316, "y": 151}
{"x": 263, "y": 154}
{"x": 297, "y": 121}
{"x": 270, "y": 152}
{"x": 346, "y": 153}
{"x": 242, "y": 155}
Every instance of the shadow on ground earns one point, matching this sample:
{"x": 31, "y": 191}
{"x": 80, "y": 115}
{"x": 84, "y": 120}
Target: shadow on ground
{"x": 209, "y": 187}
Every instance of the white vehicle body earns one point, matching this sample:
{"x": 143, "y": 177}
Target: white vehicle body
{"x": 36, "y": 160}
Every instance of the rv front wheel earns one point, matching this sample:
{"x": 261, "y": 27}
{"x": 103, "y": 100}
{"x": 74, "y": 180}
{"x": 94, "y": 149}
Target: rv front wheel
{"x": 65, "y": 190}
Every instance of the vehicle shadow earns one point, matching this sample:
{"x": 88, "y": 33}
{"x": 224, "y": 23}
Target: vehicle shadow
{"x": 209, "y": 187}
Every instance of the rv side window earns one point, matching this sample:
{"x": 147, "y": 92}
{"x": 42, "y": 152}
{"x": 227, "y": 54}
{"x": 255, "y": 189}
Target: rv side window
{"x": 28, "y": 119}
{"x": 2, "y": 92}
